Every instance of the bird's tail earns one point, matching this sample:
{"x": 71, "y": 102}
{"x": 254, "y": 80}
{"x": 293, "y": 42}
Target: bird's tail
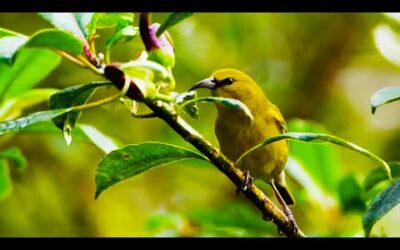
{"x": 284, "y": 191}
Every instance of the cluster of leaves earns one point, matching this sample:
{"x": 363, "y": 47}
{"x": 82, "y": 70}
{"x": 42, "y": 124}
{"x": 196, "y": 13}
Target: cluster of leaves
{"x": 28, "y": 59}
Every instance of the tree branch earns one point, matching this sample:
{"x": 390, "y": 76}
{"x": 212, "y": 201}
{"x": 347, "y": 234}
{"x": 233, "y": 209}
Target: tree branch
{"x": 254, "y": 194}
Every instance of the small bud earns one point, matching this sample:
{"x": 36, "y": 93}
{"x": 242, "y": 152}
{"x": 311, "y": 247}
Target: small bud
{"x": 117, "y": 77}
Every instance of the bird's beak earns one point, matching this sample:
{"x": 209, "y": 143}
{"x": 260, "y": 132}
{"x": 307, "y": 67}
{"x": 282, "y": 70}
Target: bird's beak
{"x": 208, "y": 83}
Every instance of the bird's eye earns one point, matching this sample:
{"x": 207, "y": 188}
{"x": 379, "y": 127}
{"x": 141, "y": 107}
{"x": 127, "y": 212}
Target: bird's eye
{"x": 228, "y": 81}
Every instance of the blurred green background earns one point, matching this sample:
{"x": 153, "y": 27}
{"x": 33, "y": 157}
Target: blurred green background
{"x": 319, "y": 68}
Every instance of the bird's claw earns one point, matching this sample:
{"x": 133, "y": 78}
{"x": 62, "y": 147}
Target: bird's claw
{"x": 247, "y": 183}
{"x": 292, "y": 223}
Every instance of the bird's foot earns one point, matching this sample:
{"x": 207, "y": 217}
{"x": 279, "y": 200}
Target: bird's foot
{"x": 292, "y": 223}
{"x": 246, "y": 185}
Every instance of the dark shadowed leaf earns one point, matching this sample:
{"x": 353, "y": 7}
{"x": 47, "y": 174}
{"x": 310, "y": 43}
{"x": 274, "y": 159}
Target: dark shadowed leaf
{"x": 30, "y": 67}
{"x": 15, "y": 156}
{"x": 135, "y": 159}
{"x": 350, "y": 194}
{"x": 56, "y": 39}
{"x": 381, "y": 205}
{"x": 383, "y": 96}
{"x": 377, "y": 175}
{"x": 319, "y": 138}
{"x": 69, "y": 97}
{"x": 171, "y": 20}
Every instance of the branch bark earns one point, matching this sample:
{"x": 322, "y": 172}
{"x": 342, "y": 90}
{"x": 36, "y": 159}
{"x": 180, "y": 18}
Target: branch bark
{"x": 254, "y": 194}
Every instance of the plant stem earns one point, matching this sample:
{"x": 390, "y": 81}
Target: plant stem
{"x": 254, "y": 194}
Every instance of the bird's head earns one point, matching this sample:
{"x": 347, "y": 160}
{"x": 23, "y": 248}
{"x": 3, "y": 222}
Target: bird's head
{"x": 230, "y": 83}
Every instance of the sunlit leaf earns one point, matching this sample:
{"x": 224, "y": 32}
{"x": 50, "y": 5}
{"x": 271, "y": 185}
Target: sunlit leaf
{"x": 109, "y": 20}
{"x": 14, "y": 106}
{"x": 102, "y": 141}
{"x": 388, "y": 43}
{"x": 377, "y": 175}
{"x": 383, "y": 96}
{"x": 171, "y": 20}
{"x": 9, "y": 45}
{"x": 56, "y": 39}
{"x": 74, "y": 23}
{"x": 135, "y": 159}
{"x": 381, "y": 205}
{"x": 15, "y": 156}
{"x": 319, "y": 138}
{"x": 30, "y": 67}
{"x": 68, "y": 97}
{"x": 350, "y": 194}
{"x": 124, "y": 34}
{"x": 6, "y": 32}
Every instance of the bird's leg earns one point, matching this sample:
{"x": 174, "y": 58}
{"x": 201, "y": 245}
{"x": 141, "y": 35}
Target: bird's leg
{"x": 246, "y": 185}
{"x": 285, "y": 207}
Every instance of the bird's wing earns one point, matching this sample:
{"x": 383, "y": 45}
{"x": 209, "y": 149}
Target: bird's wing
{"x": 279, "y": 120}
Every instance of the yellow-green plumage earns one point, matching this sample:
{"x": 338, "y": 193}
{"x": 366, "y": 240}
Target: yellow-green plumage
{"x": 236, "y": 133}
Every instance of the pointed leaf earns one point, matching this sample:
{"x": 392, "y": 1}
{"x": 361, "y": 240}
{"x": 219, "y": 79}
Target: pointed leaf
{"x": 381, "y": 205}
{"x": 171, "y": 20}
{"x": 190, "y": 109}
{"x": 74, "y": 23}
{"x": 56, "y": 39}
{"x": 135, "y": 159}
{"x": 31, "y": 67}
{"x": 9, "y": 46}
{"x": 319, "y": 138}
{"x": 68, "y": 97}
{"x": 109, "y": 20}
{"x": 124, "y": 34}
{"x": 16, "y": 125}
{"x": 377, "y": 175}
{"x": 6, "y": 32}
{"x": 383, "y": 96}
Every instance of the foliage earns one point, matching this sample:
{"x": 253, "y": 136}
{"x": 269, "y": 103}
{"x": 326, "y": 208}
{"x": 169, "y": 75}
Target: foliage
{"x": 25, "y": 61}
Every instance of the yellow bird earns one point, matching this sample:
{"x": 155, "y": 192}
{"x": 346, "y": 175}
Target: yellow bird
{"x": 237, "y": 133}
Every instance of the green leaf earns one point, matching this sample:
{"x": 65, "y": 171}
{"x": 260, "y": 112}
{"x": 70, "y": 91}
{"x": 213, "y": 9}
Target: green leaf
{"x": 5, "y": 180}
{"x": 171, "y": 20}
{"x": 16, "y": 125}
{"x": 226, "y": 102}
{"x": 9, "y": 46}
{"x": 56, "y": 39}
{"x": 69, "y": 97}
{"x": 99, "y": 139}
{"x": 6, "y": 32}
{"x": 190, "y": 109}
{"x": 381, "y": 205}
{"x": 74, "y": 23}
{"x": 377, "y": 175}
{"x": 135, "y": 159}
{"x": 14, "y": 106}
{"x": 383, "y": 96}
{"x": 14, "y": 155}
{"x": 109, "y": 20}
{"x": 319, "y": 161}
{"x": 319, "y": 138}
{"x": 350, "y": 194}
{"x": 31, "y": 67}
{"x": 124, "y": 34}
